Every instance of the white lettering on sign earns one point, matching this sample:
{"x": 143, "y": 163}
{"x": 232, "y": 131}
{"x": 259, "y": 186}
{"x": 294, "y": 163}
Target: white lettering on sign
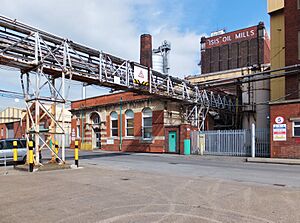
{"x": 244, "y": 34}
{"x": 231, "y": 37}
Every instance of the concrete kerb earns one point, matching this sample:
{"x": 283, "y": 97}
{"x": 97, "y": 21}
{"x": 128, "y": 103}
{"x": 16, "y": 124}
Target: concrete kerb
{"x": 274, "y": 161}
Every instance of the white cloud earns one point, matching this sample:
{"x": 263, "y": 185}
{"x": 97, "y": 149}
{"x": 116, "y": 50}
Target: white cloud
{"x": 113, "y": 26}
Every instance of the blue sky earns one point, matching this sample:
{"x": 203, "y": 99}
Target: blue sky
{"x": 116, "y": 25}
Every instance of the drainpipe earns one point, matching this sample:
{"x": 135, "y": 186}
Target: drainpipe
{"x": 120, "y": 148}
{"x": 82, "y": 129}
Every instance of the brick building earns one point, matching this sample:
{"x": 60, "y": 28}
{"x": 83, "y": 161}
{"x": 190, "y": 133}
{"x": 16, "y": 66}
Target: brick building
{"x": 236, "y": 55}
{"x": 237, "y": 49}
{"x": 12, "y": 124}
{"x": 127, "y": 121}
{"x": 285, "y": 100}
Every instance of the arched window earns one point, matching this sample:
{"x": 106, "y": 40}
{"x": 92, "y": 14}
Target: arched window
{"x": 95, "y": 119}
{"x": 129, "y": 116}
{"x": 114, "y": 124}
{"x": 147, "y": 123}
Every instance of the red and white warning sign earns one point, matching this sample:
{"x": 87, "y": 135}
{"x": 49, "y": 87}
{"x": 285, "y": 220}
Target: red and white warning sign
{"x": 140, "y": 75}
{"x": 279, "y": 120}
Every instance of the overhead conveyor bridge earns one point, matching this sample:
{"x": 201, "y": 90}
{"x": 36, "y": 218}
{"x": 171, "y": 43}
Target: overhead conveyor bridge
{"x": 45, "y": 56}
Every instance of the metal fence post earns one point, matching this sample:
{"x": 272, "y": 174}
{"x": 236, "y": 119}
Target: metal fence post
{"x": 253, "y": 140}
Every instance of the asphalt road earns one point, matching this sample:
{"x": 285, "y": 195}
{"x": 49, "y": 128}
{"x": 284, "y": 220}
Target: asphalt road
{"x": 129, "y": 187}
{"x": 225, "y": 168}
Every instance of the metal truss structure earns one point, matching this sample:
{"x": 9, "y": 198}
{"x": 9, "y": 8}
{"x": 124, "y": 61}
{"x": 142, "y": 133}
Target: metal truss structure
{"x": 44, "y": 57}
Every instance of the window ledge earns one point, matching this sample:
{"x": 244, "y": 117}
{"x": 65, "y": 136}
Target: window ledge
{"x": 147, "y": 140}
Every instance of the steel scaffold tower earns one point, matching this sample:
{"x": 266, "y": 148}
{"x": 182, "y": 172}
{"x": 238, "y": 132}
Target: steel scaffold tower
{"x": 44, "y": 58}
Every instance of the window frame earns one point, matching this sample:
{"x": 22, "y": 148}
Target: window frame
{"x": 299, "y": 44}
{"x": 77, "y": 131}
{"x": 126, "y": 123}
{"x": 298, "y": 4}
{"x": 111, "y": 124}
{"x": 143, "y": 124}
{"x": 296, "y": 126}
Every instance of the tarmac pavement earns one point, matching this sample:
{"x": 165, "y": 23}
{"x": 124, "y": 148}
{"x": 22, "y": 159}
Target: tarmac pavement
{"x": 103, "y": 194}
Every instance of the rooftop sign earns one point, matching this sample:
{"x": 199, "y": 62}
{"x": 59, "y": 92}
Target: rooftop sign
{"x": 227, "y": 38}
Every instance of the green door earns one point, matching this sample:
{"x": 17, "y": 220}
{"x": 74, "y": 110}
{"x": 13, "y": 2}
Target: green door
{"x": 172, "y": 142}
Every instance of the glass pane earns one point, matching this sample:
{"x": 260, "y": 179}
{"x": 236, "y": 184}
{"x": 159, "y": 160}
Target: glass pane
{"x": 147, "y": 122}
{"x": 129, "y": 114}
{"x": 23, "y": 143}
{"x": 9, "y": 144}
{"x": 114, "y": 124}
{"x": 297, "y": 131}
{"x": 147, "y": 132}
{"x": 130, "y": 132}
{"x": 96, "y": 120}
{"x": 129, "y": 123}
{"x": 147, "y": 112}
{"x": 114, "y": 132}
{"x": 114, "y": 116}
{"x": 297, "y": 123}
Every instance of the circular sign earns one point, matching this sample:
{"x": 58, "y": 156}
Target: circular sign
{"x": 279, "y": 120}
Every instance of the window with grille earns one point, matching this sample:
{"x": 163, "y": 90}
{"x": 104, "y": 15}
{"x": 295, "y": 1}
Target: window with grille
{"x": 147, "y": 123}
{"x": 129, "y": 115}
{"x": 114, "y": 123}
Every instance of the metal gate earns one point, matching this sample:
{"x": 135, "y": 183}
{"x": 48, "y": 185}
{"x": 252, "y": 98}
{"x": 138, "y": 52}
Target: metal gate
{"x": 230, "y": 142}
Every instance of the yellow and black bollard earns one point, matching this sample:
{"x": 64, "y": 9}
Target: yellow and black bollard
{"x": 15, "y": 152}
{"x": 76, "y": 153}
{"x": 30, "y": 145}
{"x": 56, "y": 151}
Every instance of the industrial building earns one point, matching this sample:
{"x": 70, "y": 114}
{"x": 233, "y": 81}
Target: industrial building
{"x": 285, "y": 99}
{"x": 12, "y": 123}
{"x": 229, "y": 62}
{"x": 126, "y": 121}
{"x": 237, "y": 49}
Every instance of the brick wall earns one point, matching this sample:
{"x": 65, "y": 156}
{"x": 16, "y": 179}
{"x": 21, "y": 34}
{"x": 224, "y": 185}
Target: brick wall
{"x": 108, "y": 100}
{"x": 291, "y": 147}
{"x": 105, "y": 104}
{"x": 243, "y": 53}
{"x": 292, "y": 26}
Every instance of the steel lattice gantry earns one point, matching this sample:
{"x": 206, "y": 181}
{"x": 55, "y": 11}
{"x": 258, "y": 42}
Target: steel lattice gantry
{"x": 43, "y": 57}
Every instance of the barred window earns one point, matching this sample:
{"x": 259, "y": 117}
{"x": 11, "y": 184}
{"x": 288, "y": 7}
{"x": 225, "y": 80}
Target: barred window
{"x": 114, "y": 123}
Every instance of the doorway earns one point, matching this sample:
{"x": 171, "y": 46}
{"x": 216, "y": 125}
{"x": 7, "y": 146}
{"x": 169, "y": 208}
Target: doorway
{"x": 96, "y": 130}
{"x": 172, "y": 142}
{"x": 97, "y": 138}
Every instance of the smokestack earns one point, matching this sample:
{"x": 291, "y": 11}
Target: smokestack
{"x": 146, "y": 50}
